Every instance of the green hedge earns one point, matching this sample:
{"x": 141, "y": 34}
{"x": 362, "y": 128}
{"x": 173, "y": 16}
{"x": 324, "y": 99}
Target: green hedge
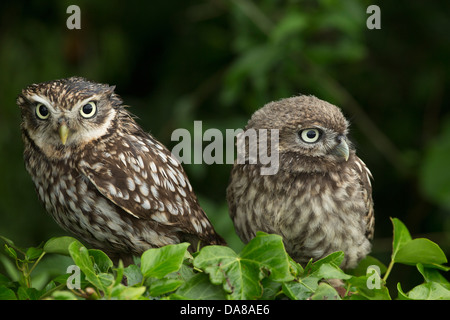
{"x": 262, "y": 270}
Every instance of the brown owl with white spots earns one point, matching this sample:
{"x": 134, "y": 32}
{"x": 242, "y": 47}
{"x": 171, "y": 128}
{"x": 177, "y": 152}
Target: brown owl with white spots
{"x": 101, "y": 176}
{"x": 320, "y": 198}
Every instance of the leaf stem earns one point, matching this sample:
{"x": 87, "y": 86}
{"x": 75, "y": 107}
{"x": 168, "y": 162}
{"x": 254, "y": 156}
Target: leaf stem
{"x": 388, "y": 270}
{"x": 35, "y": 264}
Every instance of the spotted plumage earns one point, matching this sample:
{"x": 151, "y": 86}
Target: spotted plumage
{"x": 101, "y": 176}
{"x": 320, "y": 199}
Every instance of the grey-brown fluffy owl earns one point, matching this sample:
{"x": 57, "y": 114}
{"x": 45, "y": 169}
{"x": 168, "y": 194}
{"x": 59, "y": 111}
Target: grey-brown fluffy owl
{"x": 101, "y": 176}
{"x": 320, "y": 199}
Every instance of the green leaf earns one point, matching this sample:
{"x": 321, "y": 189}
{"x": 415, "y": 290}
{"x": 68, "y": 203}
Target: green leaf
{"x": 10, "y": 251}
{"x": 329, "y": 271}
{"x": 268, "y": 253}
{"x": 107, "y": 280}
{"x": 4, "y": 280}
{"x": 328, "y": 267}
{"x": 401, "y": 294}
{"x": 158, "y": 287}
{"x": 325, "y": 292}
{"x": 420, "y": 251}
{"x": 64, "y": 295}
{"x": 59, "y": 245}
{"x": 102, "y": 262}
{"x": 122, "y": 292}
{"x": 80, "y": 255}
{"x": 369, "y": 286}
{"x": 10, "y": 268}
{"x": 368, "y": 261}
{"x": 7, "y": 241}
{"x": 429, "y": 291}
{"x": 296, "y": 268}
{"x": 302, "y": 289}
{"x": 433, "y": 275}
{"x": 401, "y": 236}
{"x": 33, "y": 253}
{"x": 240, "y": 274}
{"x": 271, "y": 289}
{"x": 28, "y": 293}
{"x": 162, "y": 261}
{"x": 6, "y": 293}
{"x": 119, "y": 273}
{"x": 133, "y": 274}
{"x": 334, "y": 258}
{"x": 200, "y": 288}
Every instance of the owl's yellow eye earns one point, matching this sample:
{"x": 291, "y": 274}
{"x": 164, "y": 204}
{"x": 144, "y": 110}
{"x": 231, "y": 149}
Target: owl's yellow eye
{"x": 88, "y": 110}
{"x": 42, "y": 111}
{"x": 310, "y": 135}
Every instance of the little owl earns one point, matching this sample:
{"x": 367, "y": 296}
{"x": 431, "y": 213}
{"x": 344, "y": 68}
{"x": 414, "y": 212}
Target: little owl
{"x": 101, "y": 176}
{"x": 320, "y": 199}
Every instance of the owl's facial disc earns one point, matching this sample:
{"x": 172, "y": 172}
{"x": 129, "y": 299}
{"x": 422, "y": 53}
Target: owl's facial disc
{"x": 55, "y": 127}
{"x": 87, "y": 111}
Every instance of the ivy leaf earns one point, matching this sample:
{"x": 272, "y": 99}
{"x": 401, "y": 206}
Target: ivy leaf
{"x": 158, "y": 287}
{"x": 301, "y": 289}
{"x": 27, "y": 293}
{"x": 10, "y": 251}
{"x": 198, "y": 287}
{"x": 102, "y": 262}
{"x": 33, "y": 253}
{"x": 328, "y": 267}
{"x": 80, "y": 255}
{"x": 420, "y": 251}
{"x": 401, "y": 236}
{"x": 411, "y": 252}
{"x": 364, "y": 264}
{"x": 59, "y": 245}
{"x": 160, "y": 262}
{"x": 240, "y": 274}
{"x": 64, "y": 295}
{"x": 325, "y": 292}
{"x": 7, "y": 294}
{"x": 425, "y": 291}
{"x": 7, "y": 241}
{"x": 133, "y": 274}
{"x": 122, "y": 292}
{"x": 432, "y": 275}
{"x": 370, "y": 287}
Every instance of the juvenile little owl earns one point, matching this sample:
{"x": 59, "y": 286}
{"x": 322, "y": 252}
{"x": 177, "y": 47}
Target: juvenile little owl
{"x": 101, "y": 176}
{"x": 320, "y": 199}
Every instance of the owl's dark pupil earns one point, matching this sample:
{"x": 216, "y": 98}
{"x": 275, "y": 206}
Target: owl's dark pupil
{"x": 43, "y": 110}
{"x": 311, "y": 134}
{"x": 87, "y": 109}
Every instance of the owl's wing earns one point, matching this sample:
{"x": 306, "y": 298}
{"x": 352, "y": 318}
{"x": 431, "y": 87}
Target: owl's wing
{"x": 142, "y": 177}
{"x": 365, "y": 177}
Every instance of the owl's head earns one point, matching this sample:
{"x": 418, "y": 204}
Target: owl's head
{"x": 312, "y": 133}
{"x": 67, "y": 113}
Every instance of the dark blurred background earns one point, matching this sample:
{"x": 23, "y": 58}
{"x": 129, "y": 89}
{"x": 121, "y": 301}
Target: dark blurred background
{"x": 218, "y": 61}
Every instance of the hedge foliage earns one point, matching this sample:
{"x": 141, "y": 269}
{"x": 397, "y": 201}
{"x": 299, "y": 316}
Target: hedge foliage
{"x": 261, "y": 270}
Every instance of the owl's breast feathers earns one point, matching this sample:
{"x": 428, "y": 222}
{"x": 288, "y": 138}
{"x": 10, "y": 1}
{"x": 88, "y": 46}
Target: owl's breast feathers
{"x": 335, "y": 207}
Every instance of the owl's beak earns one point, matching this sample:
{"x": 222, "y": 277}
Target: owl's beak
{"x": 63, "y": 132}
{"x": 342, "y": 150}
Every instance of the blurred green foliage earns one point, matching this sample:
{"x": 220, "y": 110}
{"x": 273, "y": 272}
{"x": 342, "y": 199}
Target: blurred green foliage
{"x": 218, "y": 61}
